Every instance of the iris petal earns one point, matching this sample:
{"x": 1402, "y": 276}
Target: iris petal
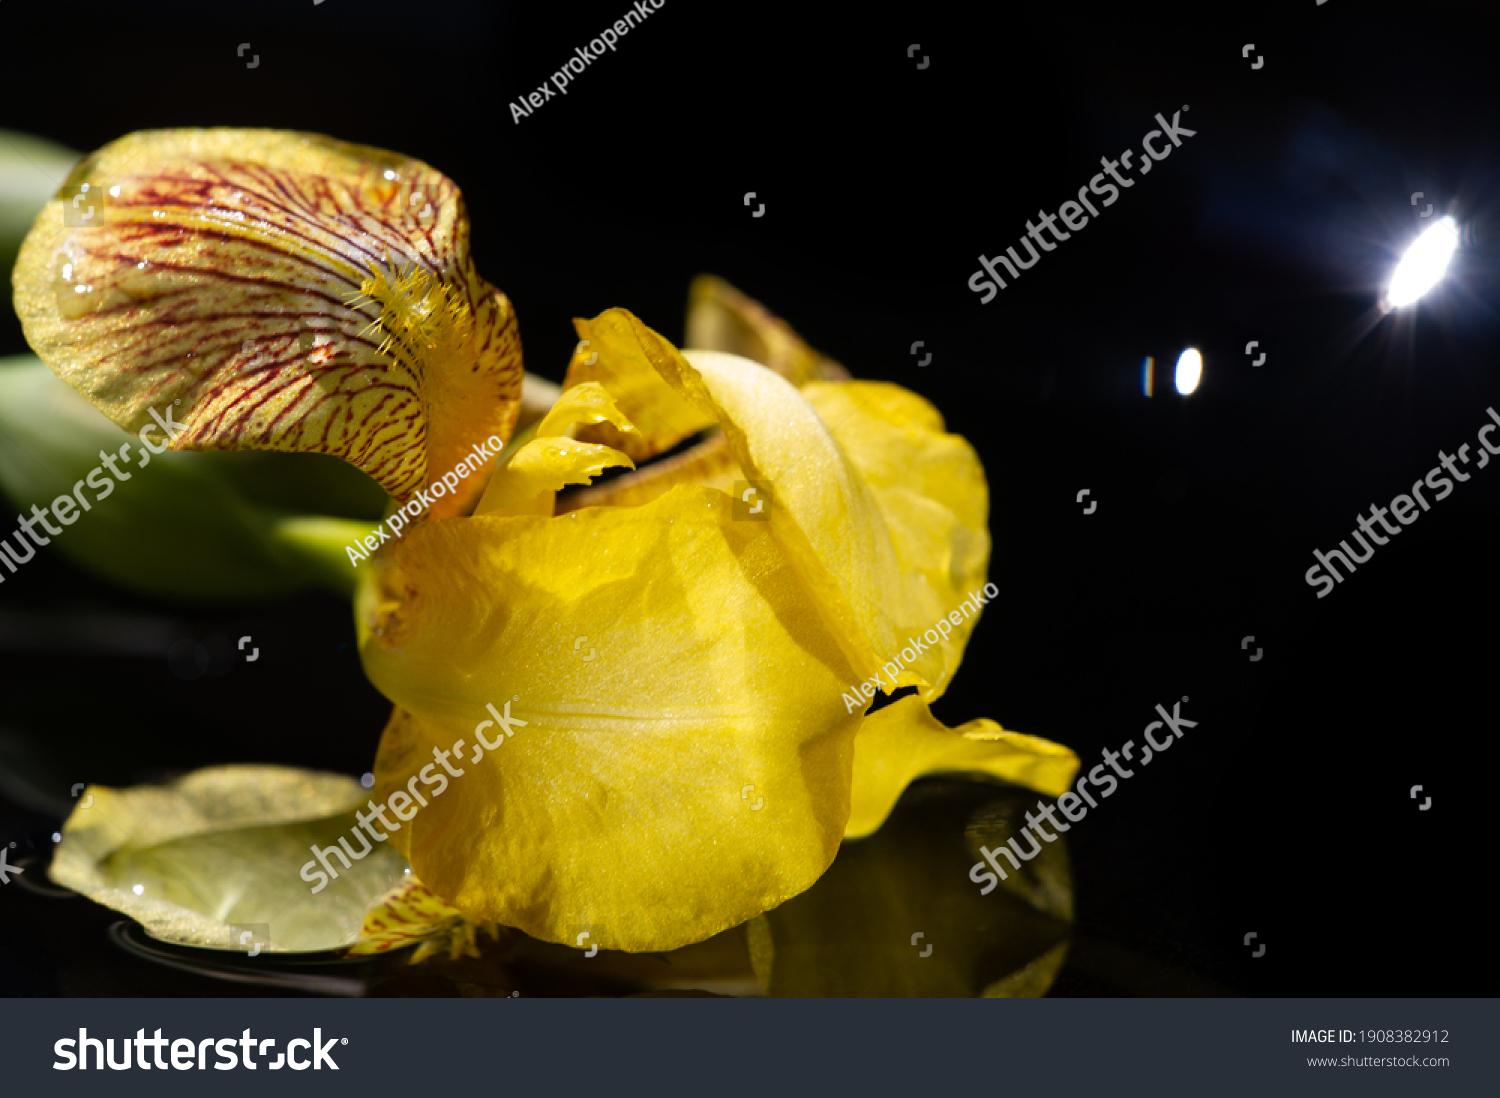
{"x": 411, "y": 914}
{"x": 687, "y": 756}
{"x": 526, "y": 484}
{"x": 825, "y": 516}
{"x": 710, "y": 462}
{"x": 720, "y": 318}
{"x": 904, "y": 741}
{"x": 278, "y": 291}
{"x": 526, "y": 481}
{"x": 611, "y": 353}
{"x": 686, "y": 760}
{"x": 931, "y": 493}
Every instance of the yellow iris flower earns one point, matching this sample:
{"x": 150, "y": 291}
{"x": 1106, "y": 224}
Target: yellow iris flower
{"x": 686, "y": 670}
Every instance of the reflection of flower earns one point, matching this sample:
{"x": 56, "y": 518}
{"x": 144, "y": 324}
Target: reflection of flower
{"x": 723, "y": 647}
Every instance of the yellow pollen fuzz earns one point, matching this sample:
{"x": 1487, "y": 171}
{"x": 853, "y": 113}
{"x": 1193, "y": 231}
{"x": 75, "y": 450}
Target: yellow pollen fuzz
{"x": 426, "y": 326}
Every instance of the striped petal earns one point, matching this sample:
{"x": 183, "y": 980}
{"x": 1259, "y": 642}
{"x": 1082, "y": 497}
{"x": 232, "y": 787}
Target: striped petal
{"x": 411, "y": 914}
{"x": 275, "y": 291}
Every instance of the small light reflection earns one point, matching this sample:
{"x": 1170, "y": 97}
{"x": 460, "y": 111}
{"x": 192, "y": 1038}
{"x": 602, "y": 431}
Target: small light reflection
{"x": 1189, "y": 370}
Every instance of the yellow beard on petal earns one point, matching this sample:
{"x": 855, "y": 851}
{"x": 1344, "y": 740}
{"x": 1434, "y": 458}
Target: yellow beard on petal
{"x": 426, "y": 327}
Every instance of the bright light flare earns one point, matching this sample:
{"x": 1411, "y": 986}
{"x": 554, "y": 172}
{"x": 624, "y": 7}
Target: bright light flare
{"x": 1424, "y": 264}
{"x": 1189, "y": 370}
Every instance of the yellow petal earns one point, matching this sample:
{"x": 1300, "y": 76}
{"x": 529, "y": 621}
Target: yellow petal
{"x": 525, "y": 484}
{"x": 824, "y": 515}
{"x": 720, "y": 318}
{"x": 527, "y": 479}
{"x": 610, "y": 353}
{"x": 931, "y": 493}
{"x": 685, "y": 761}
{"x": 588, "y": 402}
{"x": 710, "y": 462}
{"x": 887, "y": 549}
{"x": 276, "y": 291}
{"x": 902, "y": 742}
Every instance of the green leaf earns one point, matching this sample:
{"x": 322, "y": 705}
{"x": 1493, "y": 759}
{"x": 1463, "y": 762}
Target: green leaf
{"x": 31, "y": 171}
{"x": 222, "y": 848}
{"x": 192, "y": 527}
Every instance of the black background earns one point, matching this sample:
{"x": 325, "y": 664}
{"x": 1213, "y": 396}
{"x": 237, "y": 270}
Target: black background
{"x": 1286, "y": 812}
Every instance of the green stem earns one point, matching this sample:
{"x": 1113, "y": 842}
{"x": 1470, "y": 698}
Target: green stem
{"x": 316, "y": 546}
